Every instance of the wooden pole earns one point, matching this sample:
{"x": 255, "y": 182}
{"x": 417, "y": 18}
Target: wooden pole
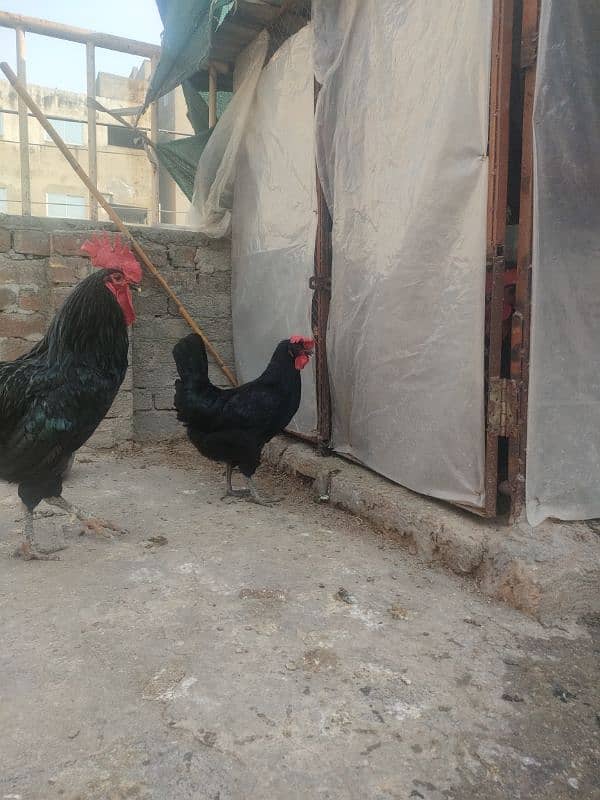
{"x": 126, "y": 124}
{"x": 91, "y": 115}
{"x": 56, "y": 30}
{"x": 23, "y": 127}
{"x": 37, "y": 112}
{"x": 212, "y": 96}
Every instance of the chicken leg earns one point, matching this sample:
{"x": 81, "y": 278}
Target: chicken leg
{"x": 231, "y": 492}
{"x": 90, "y": 524}
{"x": 28, "y": 551}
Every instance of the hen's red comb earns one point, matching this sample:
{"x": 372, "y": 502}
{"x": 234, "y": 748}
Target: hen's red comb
{"x": 104, "y": 253}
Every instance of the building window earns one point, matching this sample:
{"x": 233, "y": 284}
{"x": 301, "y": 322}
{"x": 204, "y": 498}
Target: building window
{"x": 119, "y": 136}
{"x": 3, "y": 200}
{"x": 67, "y": 206}
{"x": 131, "y": 214}
{"x": 69, "y": 131}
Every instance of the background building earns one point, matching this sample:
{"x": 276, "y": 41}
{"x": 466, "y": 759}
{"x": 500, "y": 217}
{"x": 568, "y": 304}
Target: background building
{"x": 124, "y": 169}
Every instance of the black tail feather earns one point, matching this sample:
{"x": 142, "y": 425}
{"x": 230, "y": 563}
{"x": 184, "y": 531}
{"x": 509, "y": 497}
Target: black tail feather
{"x": 192, "y": 365}
{"x": 191, "y": 361}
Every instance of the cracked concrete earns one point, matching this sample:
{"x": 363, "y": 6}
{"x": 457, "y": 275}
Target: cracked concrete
{"x": 223, "y": 651}
{"x": 551, "y": 572}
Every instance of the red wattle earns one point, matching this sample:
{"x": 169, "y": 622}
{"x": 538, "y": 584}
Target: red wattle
{"x": 301, "y": 361}
{"x": 123, "y": 298}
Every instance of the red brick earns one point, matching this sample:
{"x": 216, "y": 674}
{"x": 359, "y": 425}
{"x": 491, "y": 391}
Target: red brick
{"x": 22, "y": 326}
{"x": 67, "y": 243}
{"x": 31, "y": 242}
{"x": 5, "y": 239}
{"x": 31, "y": 300}
{"x": 13, "y": 348}
{"x": 8, "y": 297}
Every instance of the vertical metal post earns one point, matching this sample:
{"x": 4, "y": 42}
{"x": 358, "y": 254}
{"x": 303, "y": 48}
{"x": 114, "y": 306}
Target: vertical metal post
{"x": 321, "y": 285}
{"x": 91, "y": 116}
{"x": 23, "y": 127}
{"x": 496, "y": 222}
{"x": 212, "y": 97}
{"x": 155, "y": 190}
{"x": 517, "y": 458}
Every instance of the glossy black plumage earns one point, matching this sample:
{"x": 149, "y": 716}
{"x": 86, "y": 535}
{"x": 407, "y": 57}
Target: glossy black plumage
{"x": 53, "y": 398}
{"x": 233, "y": 425}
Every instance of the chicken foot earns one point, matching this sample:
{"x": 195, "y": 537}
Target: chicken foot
{"x": 231, "y": 492}
{"x": 257, "y": 497}
{"x": 251, "y": 491}
{"x": 29, "y": 551}
{"x": 89, "y": 524}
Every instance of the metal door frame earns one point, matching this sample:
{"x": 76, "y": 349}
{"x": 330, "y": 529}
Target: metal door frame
{"x": 321, "y": 286}
{"x": 520, "y": 331}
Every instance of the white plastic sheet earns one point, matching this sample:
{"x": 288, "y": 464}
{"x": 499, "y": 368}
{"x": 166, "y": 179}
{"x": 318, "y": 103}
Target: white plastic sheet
{"x": 402, "y": 128}
{"x": 563, "y": 447}
{"x": 274, "y": 218}
{"x": 210, "y": 212}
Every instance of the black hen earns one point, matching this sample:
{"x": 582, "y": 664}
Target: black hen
{"x": 53, "y": 398}
{"x": 233, "y": 425}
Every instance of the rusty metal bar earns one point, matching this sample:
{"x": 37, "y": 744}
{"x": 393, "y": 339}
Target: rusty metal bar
{"x": 182, "y": 310}
{"x": 23, "y": 127}
{"x": 117, "y": 113}
{"x": 503, "y": 17}
{"x": 71, "y": 34}
{"x": 91, "y": 126}
{"x": 321, "y": 285}
{"x": 212, "y": 96}
{"x": 520, "y": 332}
{"x": 155, "y": 187}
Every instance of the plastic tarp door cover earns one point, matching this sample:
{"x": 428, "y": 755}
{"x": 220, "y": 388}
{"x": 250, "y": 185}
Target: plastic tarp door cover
{"x": 274, "y": 218}
{"x": 402, "y": 133}
{"x": 563, "y": 442}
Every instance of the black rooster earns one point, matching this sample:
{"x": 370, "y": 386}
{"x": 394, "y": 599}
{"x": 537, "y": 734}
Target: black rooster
{"x": 53, "y": 398}
{"x": 233, "y": 425}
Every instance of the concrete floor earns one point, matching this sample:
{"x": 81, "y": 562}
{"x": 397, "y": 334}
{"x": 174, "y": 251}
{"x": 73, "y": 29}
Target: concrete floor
{"x": 209, "y": 654}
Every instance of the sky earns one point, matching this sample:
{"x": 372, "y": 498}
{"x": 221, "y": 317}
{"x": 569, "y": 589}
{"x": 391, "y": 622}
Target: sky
{"x": 59, "y": 64}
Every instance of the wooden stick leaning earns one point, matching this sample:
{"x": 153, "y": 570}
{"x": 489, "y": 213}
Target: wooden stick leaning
{"x": 37, "y": 112}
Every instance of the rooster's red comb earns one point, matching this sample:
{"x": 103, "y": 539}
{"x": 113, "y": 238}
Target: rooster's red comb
{"x": 104, "y": 253}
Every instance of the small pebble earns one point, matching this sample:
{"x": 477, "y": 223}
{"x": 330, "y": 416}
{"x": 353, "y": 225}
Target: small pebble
{"x": 344, "y": 596}
{"x": 512, "y": 698}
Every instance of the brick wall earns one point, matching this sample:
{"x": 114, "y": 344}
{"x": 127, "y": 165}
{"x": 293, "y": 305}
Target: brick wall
{"x": 40, "y": 262}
